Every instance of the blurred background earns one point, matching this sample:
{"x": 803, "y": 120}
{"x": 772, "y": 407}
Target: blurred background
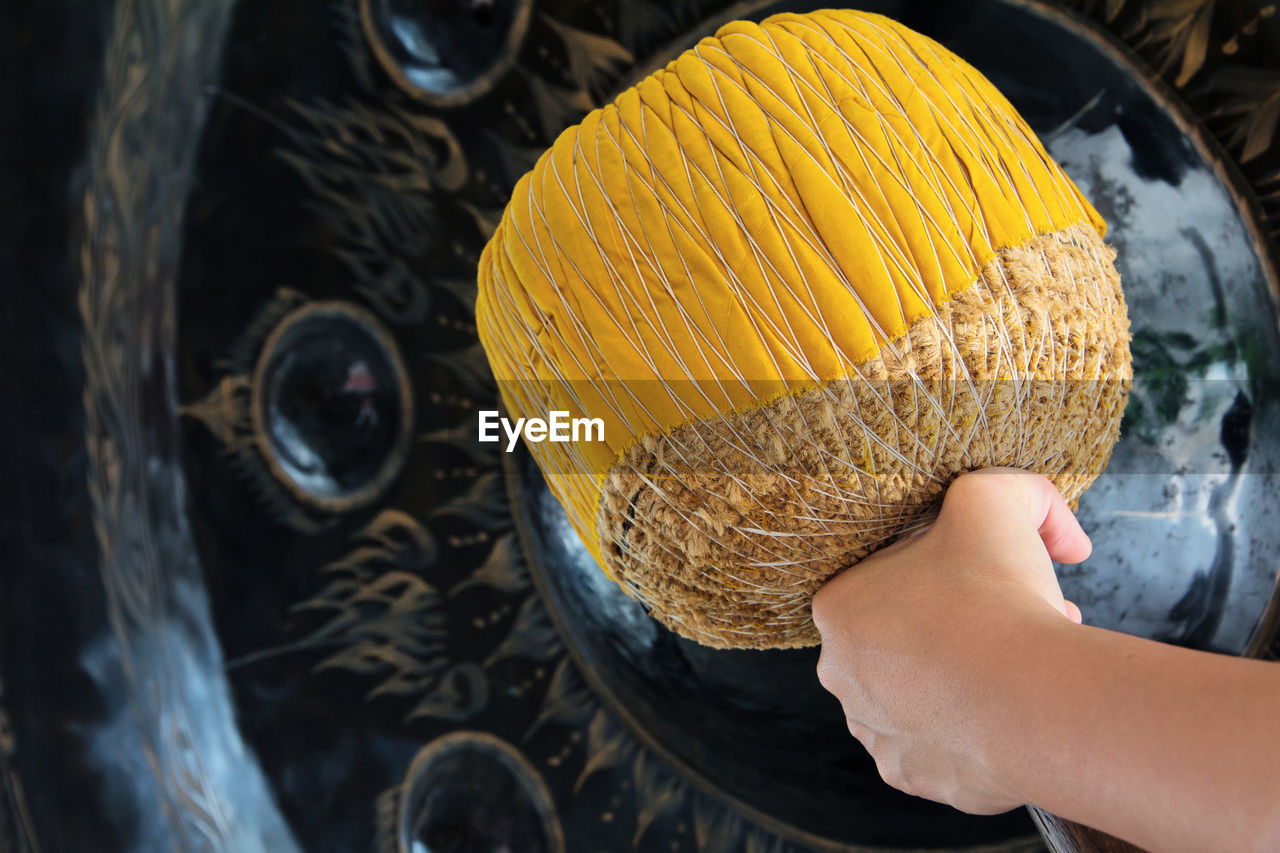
{"x": 261, "y": 589}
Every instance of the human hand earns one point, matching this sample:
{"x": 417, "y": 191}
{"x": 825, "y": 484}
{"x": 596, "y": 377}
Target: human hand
{"x": 920, "y": 638}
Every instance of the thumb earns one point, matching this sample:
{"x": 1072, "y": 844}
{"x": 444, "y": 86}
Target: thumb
{"x": 1018, "y": 516}
{"x": 1011, "y": 495}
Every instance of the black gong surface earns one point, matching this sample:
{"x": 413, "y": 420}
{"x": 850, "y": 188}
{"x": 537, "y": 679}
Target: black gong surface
{"x": 261, "y": 589}
{"x": 1184, "y": 521}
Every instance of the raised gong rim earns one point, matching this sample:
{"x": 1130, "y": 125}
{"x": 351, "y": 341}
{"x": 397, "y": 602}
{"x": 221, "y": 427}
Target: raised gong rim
{"x": 516, "y": 465}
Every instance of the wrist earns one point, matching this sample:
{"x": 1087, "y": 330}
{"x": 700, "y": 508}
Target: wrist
{"x": 1024, "y": 706}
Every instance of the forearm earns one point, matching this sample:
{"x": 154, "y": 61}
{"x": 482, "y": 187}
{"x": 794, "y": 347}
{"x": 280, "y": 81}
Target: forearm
{"x": 1169, "y": 748}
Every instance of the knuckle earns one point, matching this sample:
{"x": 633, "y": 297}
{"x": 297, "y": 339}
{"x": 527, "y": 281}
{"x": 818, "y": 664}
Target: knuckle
{"x": 857, "y": 730}
{"x": 907, "y": 783}
{"x": 891, "y": 775}
{"x": 822, "y": 610}
{"x": 891, "y": 764}
{"x": 828, "y": 674}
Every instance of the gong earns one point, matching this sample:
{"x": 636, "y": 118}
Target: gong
{"x": 262, "y": 589}
{"x": 1183, "y": 521}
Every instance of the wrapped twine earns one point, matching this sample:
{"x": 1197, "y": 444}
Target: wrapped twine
{"x": 806, "y": 275}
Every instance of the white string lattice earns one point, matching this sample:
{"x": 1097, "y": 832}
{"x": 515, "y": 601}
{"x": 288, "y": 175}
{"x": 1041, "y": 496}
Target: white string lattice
{"x": 865, "y": 441}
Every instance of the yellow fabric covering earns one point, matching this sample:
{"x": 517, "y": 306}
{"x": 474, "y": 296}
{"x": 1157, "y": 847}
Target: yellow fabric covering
{"x": 759, "y": 216}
